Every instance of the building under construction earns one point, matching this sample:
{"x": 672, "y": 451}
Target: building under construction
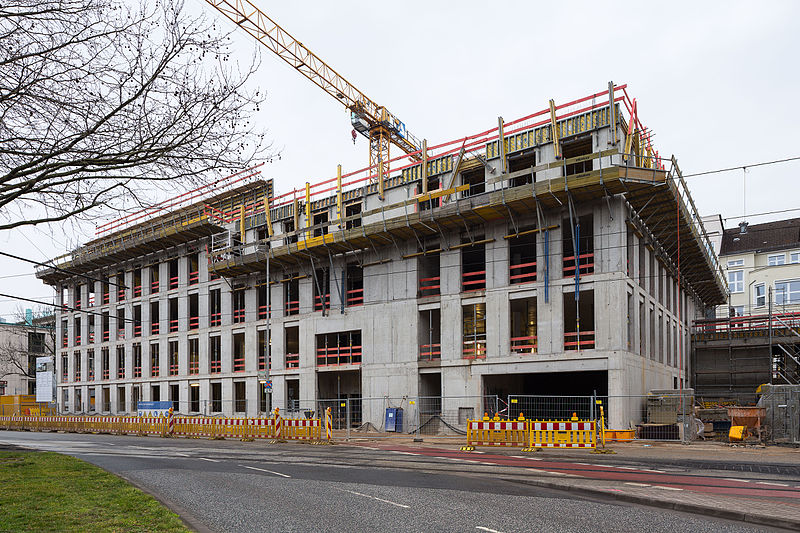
{"x": 552, "y": 254}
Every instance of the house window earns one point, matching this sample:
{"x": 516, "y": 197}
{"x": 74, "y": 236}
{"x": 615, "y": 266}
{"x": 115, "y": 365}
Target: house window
{"x": 794, "y": 257}
{"x": 776, "y": 260}
{"x": 321, "y": 219}
{"x": 736, "y": 263}
{"x": 291, "y": 294}
{"x": 759, "y": 295}
{"x": 787, "y": 292}
{"x": 737, "y": 310}
{"x": 215, "y": 354}
{"x": 736, "y": 281}
{"x": 474, "y": 331}
{"x": 238, "y": 352}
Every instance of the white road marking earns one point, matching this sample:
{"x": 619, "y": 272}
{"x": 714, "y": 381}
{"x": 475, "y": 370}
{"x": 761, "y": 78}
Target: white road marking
{"x": 649, "y": 470}
{"x": 519, "y": 457}
{"x": 487, "y": 529}
{"x": 182, "y": 454}
{"x": 770, "y": 483}
{"x": 561, "y": 473}
{"x": 737, "y": 479}
{"x": 263, "y": 470}
{"x": 207, "y": 459}
{"x": 628, "y": 467}
{"x": 376, "y": 498}
{"x": 665, "y": 488}
{"x": 636, "y": 484}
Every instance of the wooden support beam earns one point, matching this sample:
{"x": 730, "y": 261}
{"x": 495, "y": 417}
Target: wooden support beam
{"x": 424, "y": 168}
{"x": 241, "y": 223}
{"x": 502, "y": 144}
{"x": 267, "y": 216}
{"x": 528, "y": 232}
{"x": 308, "y": 206}
{"x": 339, "y": 207}
{"x": 554, "y": 130}
{"x": 466, "y": 244}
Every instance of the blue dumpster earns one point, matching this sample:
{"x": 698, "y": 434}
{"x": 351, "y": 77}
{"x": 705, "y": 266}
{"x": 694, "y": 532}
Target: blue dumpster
{"x": 394, "y": 419}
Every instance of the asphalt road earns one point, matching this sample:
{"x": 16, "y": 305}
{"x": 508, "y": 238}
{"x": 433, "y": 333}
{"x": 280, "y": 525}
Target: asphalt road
{"x": 234, "y": 486}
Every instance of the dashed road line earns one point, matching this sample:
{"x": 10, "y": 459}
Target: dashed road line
{"x": 772, "y": 483}
{"x": 737, "y": 479}
{"x": 182, "y": 454}
{"x": 665, "y": 488}
{"x": 207, "y": 459}
{"x": 631, "y": 483}
{"x": 487, "y": 529}
{"x": 267, "y": 471}
{"x": 376, "y": 498}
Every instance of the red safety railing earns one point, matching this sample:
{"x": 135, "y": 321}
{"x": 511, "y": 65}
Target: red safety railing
{"x": 744, "y": 326}
{"x": 430, "y": 352}
{"x": 586, "y": 265}
{"x": 194, "y": 367}
{"x": 154, "y": 328}
{"x": 155, "y": 371}
{"x": 473, "y": 281}
{"x": 522, "y": 273}
{"x": 120, "y": 294}
{"x": 238, "y": 364}
{"x": 137, "y": 371}
{"x": 523, "y": 344}
{"x": 238, "y": 316}
{"x": 77, "y": 375}
{"x": 106, "y": 373}
{"x": 264, "y": 311}
{"x": 339, "y": 355}
{"x": 106, "y": 335}
{"x": 173, "y": 369}
{"x": 355, "y": 297}
{"x": 292, "y": 360}
{"x": 137, "y": 291}
{"x": 90, "y": 376}
{"x": 121, "y": 373}
{"x": 64, "y": 341}
{"x": 429, "y": 287}
{"x": 194, "y": 277}
{"x": 319, "y": 302}
{"x": 194, "y": 322}
{"x": 215, "y": 319}
{"x": 216, "y": 366}
{"x": 105, "y": 298}
{"x": 262, "y": 363}
{"x": 78, "y": 303}
{"x": 173, "y": 282}
{"x": 91, "y": 337}
{"x": 579, "y": 341}
{"x": 121, "y": 333}
{"x": 173, "y": 325}
{"x": 137, "y": 330}
{"x": 91, "y": 300}
{"x": 77, "y": 340}
{"x": 64, "y": 374}
{"x": 475, "y": 349}
{"x": 154, "y": 286}
{"x": 293, "y": 307}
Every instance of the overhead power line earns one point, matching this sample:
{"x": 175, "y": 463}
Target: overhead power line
{"x": 39, "y": 263}
{"x": 741, "y": 167}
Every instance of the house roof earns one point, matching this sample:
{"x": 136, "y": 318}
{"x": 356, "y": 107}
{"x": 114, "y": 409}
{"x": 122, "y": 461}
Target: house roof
{"x": 767, "y": 237}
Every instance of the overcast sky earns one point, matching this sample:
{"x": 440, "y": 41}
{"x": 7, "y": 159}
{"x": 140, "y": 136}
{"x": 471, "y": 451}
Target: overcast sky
{"x": 715, "y": 81}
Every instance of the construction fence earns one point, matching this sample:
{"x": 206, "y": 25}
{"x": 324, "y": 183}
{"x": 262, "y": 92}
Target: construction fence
{"x": 275, "y": 428}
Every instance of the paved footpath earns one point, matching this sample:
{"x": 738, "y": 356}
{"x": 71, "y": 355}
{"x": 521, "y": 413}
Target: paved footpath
{"x": 753, "y": 484}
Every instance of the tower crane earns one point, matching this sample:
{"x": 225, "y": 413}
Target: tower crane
{"x": 375, "y": 122}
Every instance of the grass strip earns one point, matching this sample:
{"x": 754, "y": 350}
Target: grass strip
{"x": 42, "y": 491}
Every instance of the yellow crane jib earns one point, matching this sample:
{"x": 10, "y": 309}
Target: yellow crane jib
{"x": 368, "y": 118}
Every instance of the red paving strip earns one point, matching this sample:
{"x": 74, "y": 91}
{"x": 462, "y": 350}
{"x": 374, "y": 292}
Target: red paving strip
{"x": 709, "y": 485}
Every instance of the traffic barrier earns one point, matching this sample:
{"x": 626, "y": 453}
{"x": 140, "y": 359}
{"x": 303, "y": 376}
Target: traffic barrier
{"x": 563, "y": 434}
{"x": 301, "y": 429}
{"x": 242, "y": 428}
{"x": 497, "y": 432}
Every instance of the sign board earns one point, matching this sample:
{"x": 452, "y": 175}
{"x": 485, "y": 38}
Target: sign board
{"x": 45, "y": 380}
{"x": 268, "y": 385}
{"x": 150, "y": 409}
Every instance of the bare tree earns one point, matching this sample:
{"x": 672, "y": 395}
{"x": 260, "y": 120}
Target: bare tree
{"x": 103, "y": 106}
{"x": 18, "y": 348}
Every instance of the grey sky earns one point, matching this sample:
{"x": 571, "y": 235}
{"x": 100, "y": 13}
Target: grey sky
{"x": 715, "y": 81}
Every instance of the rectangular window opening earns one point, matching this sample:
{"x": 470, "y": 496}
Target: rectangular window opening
{"x": 523, "y": 326}
{"x": 579, "y": 331}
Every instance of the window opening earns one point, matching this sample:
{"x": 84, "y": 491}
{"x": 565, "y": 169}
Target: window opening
{"x": 522, "y": 258}
{"x": 292, "y": 346}
{"x": 335, "y": 349}
{"x": 354, "y": 286}
{"x": 585, "y": 238}
{"x": 474, "y": 331}
{"x": 577, "y": 148}
{"x": 238, "y": 352}
{"x": 523, "y": 326}
{"x": 430, "y": 333}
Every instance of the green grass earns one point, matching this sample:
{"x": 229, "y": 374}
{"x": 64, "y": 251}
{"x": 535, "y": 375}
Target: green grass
{"x": 51, "y": 492}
